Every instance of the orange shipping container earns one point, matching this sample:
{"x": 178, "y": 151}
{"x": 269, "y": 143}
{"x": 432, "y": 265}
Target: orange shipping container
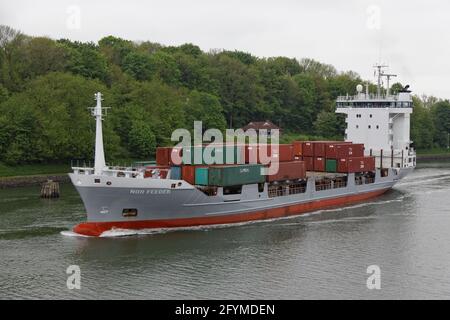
{"x": 330, "y": 149}
{"x": 361, "y": 164}
{"x": 319, "y": 164}
{"x": 319, "y": 149}
{"x": 298, "y": 148}
{"x": 291, "y": 170}
{"x": 285, "y": 153}
{"x": 356, "y": 164}
{"x": 308, "y": 149}
{"x": 349, "y": 150}
{"x": 163, "y": 156}
{"x": 188, "y": 173}
{"x": 309, "y": 163}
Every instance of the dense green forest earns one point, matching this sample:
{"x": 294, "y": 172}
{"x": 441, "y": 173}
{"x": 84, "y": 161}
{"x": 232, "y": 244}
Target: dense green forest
{"x": 47, "y": 85}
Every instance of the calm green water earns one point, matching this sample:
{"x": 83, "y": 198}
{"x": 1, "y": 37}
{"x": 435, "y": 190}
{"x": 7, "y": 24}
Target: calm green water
{"x": 323, "y": 255}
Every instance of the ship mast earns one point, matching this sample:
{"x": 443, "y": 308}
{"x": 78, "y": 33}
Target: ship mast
{"x": 379, "y": 75}
{"x": 97, "y": 112}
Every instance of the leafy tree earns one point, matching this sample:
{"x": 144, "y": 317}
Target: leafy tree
{"x": 115, "y": 49}
{"x": 85, "y": 59}
{"x": 422, "y": 126}
{"x": 165, "y": 68}
{"x": 142, "y": 139}
{"x": 326, "y": 124}
{"x": 205, "y": 107}
{"x": 314, "y": 67}
{"x": 49, "y": 121}
{"x": 139, "y": 65}
{"x": 441, "y": 119}
{"x": 44, "y": 55}
{"x": 3, "y": 93}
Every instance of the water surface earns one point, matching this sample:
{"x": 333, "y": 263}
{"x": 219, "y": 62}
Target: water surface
{"x": 324, "y": 255}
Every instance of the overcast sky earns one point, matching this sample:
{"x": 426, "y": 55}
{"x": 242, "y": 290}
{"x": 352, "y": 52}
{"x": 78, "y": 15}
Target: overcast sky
{"x": 413, "y": 36}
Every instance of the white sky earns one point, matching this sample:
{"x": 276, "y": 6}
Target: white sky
{"x": 413, "y": 36}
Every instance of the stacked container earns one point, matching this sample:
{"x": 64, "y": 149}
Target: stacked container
{"x": 292, "y": 170}
{"x": 233, "y": 175}
{"x": 356, "y": 164}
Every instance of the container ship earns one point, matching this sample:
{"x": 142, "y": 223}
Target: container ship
{"x": 311, "y": 175}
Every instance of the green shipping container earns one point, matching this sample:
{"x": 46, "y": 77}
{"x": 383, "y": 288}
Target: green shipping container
{"x": 201, "y": 176}
{"x": 224, "y": 176}
{"x": 331, "y": 165}
{"x": 218, "y": 152}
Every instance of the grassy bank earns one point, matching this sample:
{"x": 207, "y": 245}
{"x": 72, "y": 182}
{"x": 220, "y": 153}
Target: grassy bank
{"x": 433, "y": 152}
{"x": 33, "y": 169}
{"x": 39, "y": 169}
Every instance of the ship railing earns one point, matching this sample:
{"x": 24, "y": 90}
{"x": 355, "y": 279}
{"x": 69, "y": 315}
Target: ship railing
{"x": 324, "y": 186}
{"x": 279, "y": 191}
{"x": 339, "y": 184}
{"x": 370, "y": 96}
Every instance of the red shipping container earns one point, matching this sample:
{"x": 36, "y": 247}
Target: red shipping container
{"x": 298, "y": 148}
{"x": 356, "y": 164}
{"x": 188, "y": 173}
{"x": 319, "y": 164}
{"x": 309, "y": 163}
{"x": 342, "y": 165}
{"x": 163, "y": 156}
{"x": 308, "y": 149}
{"x": 291, "y": 170}
{"x": 319, "y": 149}
{"x": 361, "y": 164}
{"x": 349, "y": 150}
{"x": 330, "y": 149}
{"x": 285, "y": 152}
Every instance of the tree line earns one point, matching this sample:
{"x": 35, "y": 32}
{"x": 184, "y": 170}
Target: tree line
{"x": 46, "y": 86}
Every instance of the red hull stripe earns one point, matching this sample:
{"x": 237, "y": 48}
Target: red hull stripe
{"x": 97, "y": 228}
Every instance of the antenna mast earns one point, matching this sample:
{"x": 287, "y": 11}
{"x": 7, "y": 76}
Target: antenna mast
{"x": 98, "y": 114}
{"x": 388, "y": 77}
{"x": 379, "y": 75}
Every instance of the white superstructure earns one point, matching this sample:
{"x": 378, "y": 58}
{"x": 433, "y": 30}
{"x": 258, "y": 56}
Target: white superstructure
{"x": 381, "y": 121}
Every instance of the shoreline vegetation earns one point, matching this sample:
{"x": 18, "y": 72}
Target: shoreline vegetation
{"x": 46, "y": 86}
{"x": 36, "y": 174}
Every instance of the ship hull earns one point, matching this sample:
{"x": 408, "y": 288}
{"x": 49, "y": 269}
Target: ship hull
{"x": 97, "y": 228}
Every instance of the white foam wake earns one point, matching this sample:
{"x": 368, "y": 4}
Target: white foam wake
{"x": 69, "y": 233}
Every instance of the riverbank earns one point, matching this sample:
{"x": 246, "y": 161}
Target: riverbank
{"x": 431, "y": 157}
{"x": 33, "y": 180}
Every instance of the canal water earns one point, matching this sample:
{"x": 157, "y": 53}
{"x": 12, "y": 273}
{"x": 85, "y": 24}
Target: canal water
{"x": 323, "y": 255}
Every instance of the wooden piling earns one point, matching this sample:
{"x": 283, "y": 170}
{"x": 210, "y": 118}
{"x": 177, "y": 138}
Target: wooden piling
{"x": 50, "y": 189}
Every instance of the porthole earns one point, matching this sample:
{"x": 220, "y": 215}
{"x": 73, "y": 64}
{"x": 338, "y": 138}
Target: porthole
{"x": 129, "y": 212}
